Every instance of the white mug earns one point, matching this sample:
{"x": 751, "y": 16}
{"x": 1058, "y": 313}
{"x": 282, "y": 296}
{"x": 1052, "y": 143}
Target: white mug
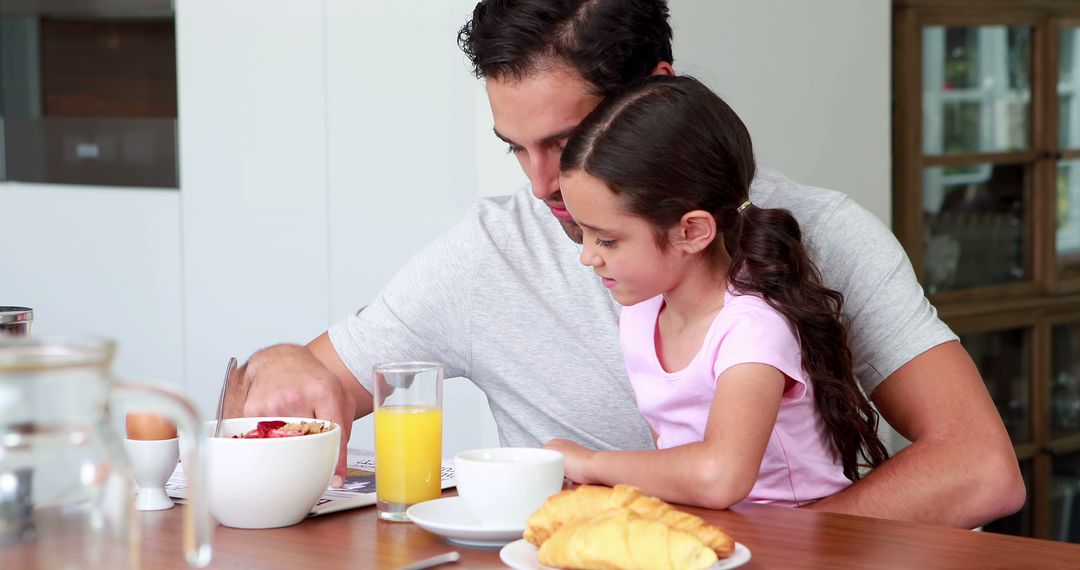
{"x": 503, "y": 486}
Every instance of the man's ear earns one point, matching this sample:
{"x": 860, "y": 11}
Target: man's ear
{"x": 694, "y": 232}
{"x": 663, "y": 68}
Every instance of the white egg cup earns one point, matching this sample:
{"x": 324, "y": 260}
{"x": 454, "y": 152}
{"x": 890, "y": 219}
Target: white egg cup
{"x": 152, "y": 463}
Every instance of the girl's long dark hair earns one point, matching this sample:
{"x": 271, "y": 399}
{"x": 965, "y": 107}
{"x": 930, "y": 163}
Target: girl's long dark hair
{"x": 667, "y": 146}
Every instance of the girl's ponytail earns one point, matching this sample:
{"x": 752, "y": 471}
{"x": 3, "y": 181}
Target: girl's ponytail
{"x": 769, "y": 260}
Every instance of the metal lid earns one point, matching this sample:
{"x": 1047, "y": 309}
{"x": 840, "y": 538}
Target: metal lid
{"x": 16, "y": 314}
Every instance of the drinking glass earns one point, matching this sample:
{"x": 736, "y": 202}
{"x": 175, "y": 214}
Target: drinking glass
{"x": 408, "y": 436}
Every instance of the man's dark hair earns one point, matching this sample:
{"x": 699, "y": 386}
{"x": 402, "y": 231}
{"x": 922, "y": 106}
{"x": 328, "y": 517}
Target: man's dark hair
{"x": 610, "y": 43}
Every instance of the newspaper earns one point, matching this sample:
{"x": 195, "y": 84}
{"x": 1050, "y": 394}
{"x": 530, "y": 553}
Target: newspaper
{"x": 358, "y": 490}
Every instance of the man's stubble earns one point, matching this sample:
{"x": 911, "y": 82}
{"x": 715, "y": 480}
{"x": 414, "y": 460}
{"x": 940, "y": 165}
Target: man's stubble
{"x": 573, "y": 231}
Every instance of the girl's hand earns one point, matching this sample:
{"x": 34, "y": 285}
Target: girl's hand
{"x": 577, "y": 459}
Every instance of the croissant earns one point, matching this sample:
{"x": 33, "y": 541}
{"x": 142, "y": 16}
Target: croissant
{"x": 623, "y": 540}
{"x": 586, "y": 501}
{"x": 570, "y": 506}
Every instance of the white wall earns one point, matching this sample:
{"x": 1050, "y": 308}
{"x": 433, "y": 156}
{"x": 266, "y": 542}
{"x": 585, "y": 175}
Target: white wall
{"x": 323, "y": 141}
{"x": 401, "y": 162}
{"x": 318, "y": 152}
{"x": 98, "y": 261}
{"x": 810, "y": 80}
{"x": 251, "y": 93}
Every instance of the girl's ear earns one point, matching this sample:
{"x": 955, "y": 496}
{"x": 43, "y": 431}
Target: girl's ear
{"x": 694, "y": 232}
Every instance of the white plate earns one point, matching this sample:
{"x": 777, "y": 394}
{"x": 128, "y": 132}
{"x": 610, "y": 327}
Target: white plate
{"x": 450, "y": 518}
{"x": 523, "y": 556}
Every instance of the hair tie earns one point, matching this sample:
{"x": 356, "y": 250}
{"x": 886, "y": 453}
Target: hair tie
{"x": 742, "y": 206}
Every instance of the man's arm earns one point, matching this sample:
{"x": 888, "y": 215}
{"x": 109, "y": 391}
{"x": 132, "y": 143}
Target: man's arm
{"x": 960, "y": 469}
{"x": 305, "y": 381}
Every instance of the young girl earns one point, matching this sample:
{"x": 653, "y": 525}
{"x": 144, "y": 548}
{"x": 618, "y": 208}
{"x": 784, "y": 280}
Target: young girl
{"x": 736, "y": 352}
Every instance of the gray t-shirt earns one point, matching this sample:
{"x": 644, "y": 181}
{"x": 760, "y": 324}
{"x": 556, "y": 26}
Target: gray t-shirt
{"x": 503, "y": 300}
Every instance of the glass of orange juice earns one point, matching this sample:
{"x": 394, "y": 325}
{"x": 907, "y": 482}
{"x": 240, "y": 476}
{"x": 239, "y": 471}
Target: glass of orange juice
{"x": 408, "y": 436}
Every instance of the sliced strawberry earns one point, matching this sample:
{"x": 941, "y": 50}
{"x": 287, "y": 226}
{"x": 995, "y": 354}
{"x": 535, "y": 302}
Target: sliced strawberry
{"x": 265, "y": 428}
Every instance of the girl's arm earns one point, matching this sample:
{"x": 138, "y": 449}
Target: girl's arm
{"x": 715, "y": 473}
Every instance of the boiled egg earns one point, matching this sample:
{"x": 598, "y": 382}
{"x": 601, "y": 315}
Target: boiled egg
{"x": 149, "y": 427}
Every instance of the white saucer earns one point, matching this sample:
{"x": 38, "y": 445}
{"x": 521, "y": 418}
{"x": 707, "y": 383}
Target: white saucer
{"x": 523, "y": 556}
{"x": 450, "y": 518}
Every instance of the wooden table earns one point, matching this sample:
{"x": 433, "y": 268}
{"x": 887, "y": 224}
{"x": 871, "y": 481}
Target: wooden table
{"x": 777, "y": 537}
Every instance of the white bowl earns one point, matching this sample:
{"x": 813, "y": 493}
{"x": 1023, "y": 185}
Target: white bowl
{"x": 268, "y": 483}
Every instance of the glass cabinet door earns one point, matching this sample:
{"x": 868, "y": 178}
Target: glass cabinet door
{"x": 976, "y": 89}
{"x": 1065, "y": 498}
{"x": 1002, "y": 359}
{"x": 1068, "y": 213}
{"x": 976, "y": 105}
{"x": 1068, "y": 88}
{"x": 1067, "y": 180}
{"x": 1065, "y": 380}
{"x": 974, "y": 223}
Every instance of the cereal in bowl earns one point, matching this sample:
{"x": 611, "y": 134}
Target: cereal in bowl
{"x": 278, "y": 428}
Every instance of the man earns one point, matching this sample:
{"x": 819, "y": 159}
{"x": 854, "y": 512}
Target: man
{"x": 503, "y": 300}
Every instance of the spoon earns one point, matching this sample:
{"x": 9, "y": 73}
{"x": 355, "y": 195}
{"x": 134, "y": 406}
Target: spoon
{"x": 221, "y": 399}
{"x": 448, "y": 558}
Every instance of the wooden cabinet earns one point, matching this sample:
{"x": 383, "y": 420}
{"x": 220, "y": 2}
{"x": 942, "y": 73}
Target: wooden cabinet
{"x": 986, "y": 189}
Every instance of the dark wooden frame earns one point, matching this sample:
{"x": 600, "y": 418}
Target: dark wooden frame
{"x": 1051, "y": 293}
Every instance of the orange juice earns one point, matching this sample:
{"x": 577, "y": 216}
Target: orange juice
{"x": 408, "y": 454}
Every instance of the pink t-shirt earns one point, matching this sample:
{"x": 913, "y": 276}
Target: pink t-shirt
{"x": 799, "y": 465}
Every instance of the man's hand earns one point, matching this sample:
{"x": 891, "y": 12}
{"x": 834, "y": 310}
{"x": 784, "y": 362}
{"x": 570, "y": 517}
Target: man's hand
{"x": 577, "y": 459}
{"x": 300, "y": 381}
